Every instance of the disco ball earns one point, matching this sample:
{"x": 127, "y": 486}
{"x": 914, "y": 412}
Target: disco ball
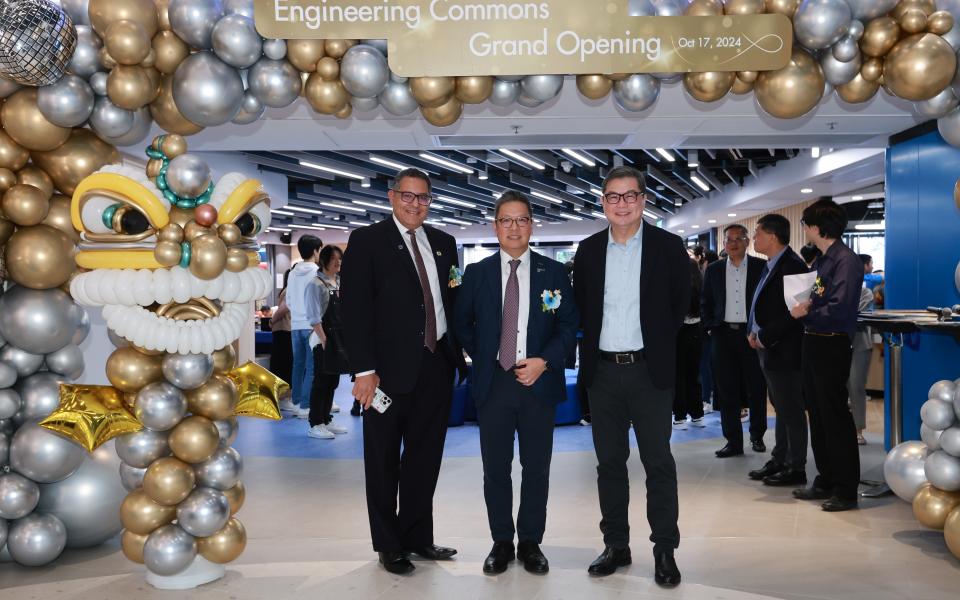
{"x": 37, "y": 39}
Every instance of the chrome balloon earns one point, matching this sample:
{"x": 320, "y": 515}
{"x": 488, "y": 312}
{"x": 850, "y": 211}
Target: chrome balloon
{"x": 236, "y": 41}
{"x": 397, "y": 100}
{"x": 637, "y": 92}
{"x": 930, "y": 437}
{"x": 204, "y": 512}
{"x": 528, "y": 101}
{"x": 18, "y": 496}
{"x": 837, "y": 72}
{"x": 187, "y": 371}
{"x": 194, "y": 20}
{"x": 77, "y": 9}
{"x": 37, "y": 321}
{"x": 131, "y": 477}
{"x": 160, "y": 406}
{"x": 188, "y": 175}
{"x": 903, "y": 469}
{"x": 24, "y": 362}
{"x": 221, "y": 471}
{"x": 42, "y": 455}
{"x": 364, "y": 71}
{"x": 943, "y": 471}
{"x": 39, "y": 396}
{"x": 206, "y": 90}
{"x": 83, "y": 325}
{"x": 109, "y": 120}
{"x": 380, "y": 45}
{"x": 8, "y": 376}
{"x": 940, "y": 105}
{"x": 67, "y": 361}
{"x": 275, "y": 83}
{"x": 821, "y": 23}
{"x": 275, "y": 49}
{"x": 36, "y": 539}
{"x": 238, "y": 7}
{"x": 641, "y": 8}
{"x": 228, "y": 428}
{"x": 541, "y": 87}
{"x": 364, "y": 104}
{"x": 138, "y": 132}
{"x": 504, "y": 93}
{"x": 950, "y": 441}
{"x": 67, "y": 103}
{"x": 86, "y": 57}
{"x": 9, "y": 402}
{"x": 250, "y": 110}
{"x": 949, "y": 128}
{"x": 169, "y": 550}
{"x": 864, "y": 10}
{"x": 98, "y": 83}
{"x": 140, "y": 449}
{"x": 846, "y": 49}
{"x": 937, "y": 414}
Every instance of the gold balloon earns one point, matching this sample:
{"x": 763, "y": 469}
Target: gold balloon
{"x": 225, "y": 545}
{"x": 858, "y": 90}
{"x": 304, "y": 54}
{"x": 474, "y": 89}
{"x": 127, "y": 42}
{"x": 743, "y": 7}
{"x": 229, "y": 233}
{"x": 927, "y": 7}
{"x": 91, "y": 415}
{"x": 616, "y": 76}
{"x": 432, "y": 92}
{"x": 704, "y": 8}
{"x": 328, "y": 68}
{"x": 225, "y": 359}
{"x": 165, "y": 112}
{"x": 168, "y": 481}
{"x": 150, "y": 60}
{"x": 236, "y": 496}
{"x": 129, "y": 370}
{"x": 445, "y": 114}
{"x": 104, "y": 12}
{"x": 595, "y": 87}
{"x": 913, "y": 20}
{"x": 8, "y": 179}
{"x": 171, "y": 51}
{"x": 163, "y": 14}
{"x": 208, "y": 256}
{"x": 781, "y": 7}
{"x": 153, "y": 167}
{"x": 194, "y": 439}
{"x": 741, "y": 87}
{"x": 173, "y": 145}
{"x": 747, "y": 76}
{"x": 326, "y": 97}
{"x": 76, "y": 159}
{"x": 168, "y": 254}
{"x": 345, "y": 112}
{"x": 130, "y": 87}
{"x": 105, "y": 59}
{"x": 216, "y": 399}
{"x": 951, "y": 532}
{"x": 919, "y": 67}
{"x": 872, "y": 69}
{"x": 132, "y": 546}
{"x": 37, "y": 177}
{"x": 39, "y": 257}
{"x": 879, "y": 36}
{"x": 337, "y": 48}
{"x": 237, "y": 260}
{"x": 260, "y": 391}
{"x": 932, "y": 506}
{"x": 792, "y": 91}
{"x": 13, "y": 156}
{"x": 710, "y": 86}
{"x": 25, "y": 204}
{"x": 940, "y": 22}
{"x": 171, "y": 233}
{"x": 24, "y": 122}
{"x": 141, "y": 515}
{"x": 6, "y": 230}
{"x": 58, "y": 217}
{"x": 194, "y": 230}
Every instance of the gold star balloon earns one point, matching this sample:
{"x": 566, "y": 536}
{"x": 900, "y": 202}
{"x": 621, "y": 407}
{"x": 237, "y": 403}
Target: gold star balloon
{"x": 91, "y": 415}
{"x": 260, "y": 391}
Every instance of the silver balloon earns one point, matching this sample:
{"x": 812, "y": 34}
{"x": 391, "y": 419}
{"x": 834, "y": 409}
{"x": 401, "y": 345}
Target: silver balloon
{"x": 510, "y": 78}
{"x": 937, "y": 414}
{"x": 188, "y": 175}
{"x": 238, "y": 7}
{"x": 865, "y": 10}
{"x": 142, "y": 448}
{"x": 943, "y": 471}
{"x": 364, "y": 71}
{"x": 8, "y": 376}
{"x": 160, "y": 406}
{"x": 640, "y": 8}
{"x": 364, "y": 104}
{"x": 7, "y": 426}
{"x": 637, "y": 92}
{"x": 5, "y": 449}
{"x": 193, "y": 20}
{"x": 139, "y": 132}
{"x": 18, "y": 496}
{"x": 221, "y": 471}
{"x": 39, "y": 396}
{"x": 250, "y": 111}
{"x": 670, "y": 8}
{"x": 116, "y": 340}
{"x": 109, "y": 120}
{"x": 856, "y": 29}
{"x": 827, "y": 91}
{"x": 236, "y": 41}
{"x": 204, "y": 512}
{"x": 24, "y": 362}
{"x": 82, "y": 319}
{"x": 42, "y": 455}
{"x": 950, "y": 441}
{"x": 98, "y": 83}
{"x": 397, "y": 78}
{"x": 275, "y": 83}
{"x": 9, "y": 400}
{"x": 380, "y": 45}
{"x": 169, "y": 550}
{"x": 187, "y": 371}
{"x": 275, "y": 49}
{"x": 903, "y": 469}
{"x": 37, "y": 321}
{"x": 837, "y": 72}
{"x": 131, "y": 477}
{"x": 228, "y": 429}
{"x": 821, "y": 23}
{"x": 397, "y": 100}
{"x": 846, "y": 49}
{"x": 668, "y": 77}
{"x": 67, "y": 103}
{"x": 541, "y": 87}
{"x": 8, "y": 86}
{"x": 930, "y": 437}
{"x": 944, "y": 389}
{"x": 949, "y": 128}
{"x": 77, "y": 9}
{"x": 940, "y": 105}
{"x": 36, "y": 539}
{"x": 952, "y": 37}
{"x": 87, "y": 502}
{"x": 4, "y": 528}
{"x": 504, "y": 93}
{"x": 528, "y": 101}
{"x": 86, "y": 59}
{"x": 67, "y": 361}
{"x": 206, "y": 90}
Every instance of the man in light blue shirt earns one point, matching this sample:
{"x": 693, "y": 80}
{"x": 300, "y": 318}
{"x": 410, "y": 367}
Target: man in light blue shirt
{"x": 621, "y": 296}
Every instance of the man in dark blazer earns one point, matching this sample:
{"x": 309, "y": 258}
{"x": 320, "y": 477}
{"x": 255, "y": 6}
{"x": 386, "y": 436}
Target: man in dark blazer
{"x": 518, "y": 340}
{"x": 397, "y": 303}
{"x": 777, "y": 338}
{"x": 632, "y": 287}
{"x": 728, "y": 287}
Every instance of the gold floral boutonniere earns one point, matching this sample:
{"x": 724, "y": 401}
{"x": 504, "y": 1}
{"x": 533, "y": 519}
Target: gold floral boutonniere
{"x": 551, "y": 300}
{"x": 818, "y": 288}
{"x": 456, "y": 277}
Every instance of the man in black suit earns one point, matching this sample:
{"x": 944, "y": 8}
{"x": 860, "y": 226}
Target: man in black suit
{"x": 728, "y": 287}
{"x": 632, "y": 287}
{"x": 397, "y": 302}
{"x": 777, "y": 337}
{"x": 515, "y": 316}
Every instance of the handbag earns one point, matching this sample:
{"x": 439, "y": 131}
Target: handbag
{"x": 335, "y": 361}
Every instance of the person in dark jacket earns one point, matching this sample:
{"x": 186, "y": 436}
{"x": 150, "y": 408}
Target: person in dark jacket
{"x": 687, "y": 399}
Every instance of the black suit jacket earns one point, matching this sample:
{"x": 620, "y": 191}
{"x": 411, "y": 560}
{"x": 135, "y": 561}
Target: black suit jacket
{"x": 713, "y": 302}
{"x": 382, "y": 304}
{"x": 780, "y": 334}
{"x": 664, "y": 300}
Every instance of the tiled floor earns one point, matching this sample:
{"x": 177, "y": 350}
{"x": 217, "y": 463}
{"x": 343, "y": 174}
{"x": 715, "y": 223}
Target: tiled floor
{"x": 308, "y": 534}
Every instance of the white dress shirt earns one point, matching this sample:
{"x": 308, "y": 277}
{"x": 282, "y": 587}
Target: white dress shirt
{"x": 735, "y": 308}
{"x": 620, "y": 330}
{"x": 426, "y": 252}
{"x": 523, "y": 279}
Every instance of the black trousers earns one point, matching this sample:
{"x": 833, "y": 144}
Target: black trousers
{"x": 687, "y": 400}
{"x": 736, "y": 370}
{"x": 833, "y": 435}
{"x": 322, "y": 391}
{"x": 621, "y": 395}
{"x": 281, "y": 356}
{"x": 512, "y": 407}
{"x": 786, "y": 394}
{"x": 417, "y": 422}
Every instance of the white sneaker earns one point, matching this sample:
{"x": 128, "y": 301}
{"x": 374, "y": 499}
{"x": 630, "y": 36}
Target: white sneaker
{"x": 707, "y": 408}
{"x": 680, "y": 425}
{"x": 698, "y": 422}
{"x": 288, "y": 406}
{"x": 320, "y": 432}
{"x": 335, "y": 408}
{"x": 744, "y": 415}
{"x": 302, "y": 413}
{"x": 334, "y": 428}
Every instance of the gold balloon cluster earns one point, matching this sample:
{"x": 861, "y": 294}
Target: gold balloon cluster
{"x": 128, "y": 29}
{"x": 939, "y": 509}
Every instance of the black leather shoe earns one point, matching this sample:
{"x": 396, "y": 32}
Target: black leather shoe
{"x": 434, "y": 552}
{"x": 500, "y": 555}
{"x": 533, "y": 559}
{"x": 837, "y": 504}
{"x": 396, "y": 563}
{"x": 771, "y": 468}
{"x": 758, "y": 446}
{"x": 665, "y": 571}
{"x": 813, "y": 492}
{"x": 608, "y": 562}
{"x": 728, "y": 451}
{"x": 786, "y": 477}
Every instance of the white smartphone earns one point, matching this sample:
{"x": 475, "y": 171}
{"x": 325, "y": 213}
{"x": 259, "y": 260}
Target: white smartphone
{"x": 381, "y": 402}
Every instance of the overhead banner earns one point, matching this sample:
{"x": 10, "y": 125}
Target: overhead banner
{"x": 498, "y": 37}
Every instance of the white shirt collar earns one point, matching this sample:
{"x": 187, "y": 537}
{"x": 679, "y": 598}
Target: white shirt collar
{"x": 403, "y": 230}
{"x": 524, "y": 258}
{"x": 638, "y": 236}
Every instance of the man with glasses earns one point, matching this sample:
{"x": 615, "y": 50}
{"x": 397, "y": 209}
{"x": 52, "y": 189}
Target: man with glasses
{"x": 515, "y": 316}
{"x": 632, "y": 286}
{"x": 396, "y": 306}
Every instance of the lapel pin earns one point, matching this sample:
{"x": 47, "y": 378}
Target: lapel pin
{"x": 439, "y": 253}
{"x": 399, "y": 246}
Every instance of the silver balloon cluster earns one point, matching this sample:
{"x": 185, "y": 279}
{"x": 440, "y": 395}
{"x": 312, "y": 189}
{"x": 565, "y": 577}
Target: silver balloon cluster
{"x": 37, "y": 39}
{"x": 53, "y": 495}
{"x": 940, "y": 431}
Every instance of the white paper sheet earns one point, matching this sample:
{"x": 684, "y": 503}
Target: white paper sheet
{"x": 797, "y": 288}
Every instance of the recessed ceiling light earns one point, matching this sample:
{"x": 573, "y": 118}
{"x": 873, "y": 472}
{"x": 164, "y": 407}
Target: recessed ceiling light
{"x": 443, "y": 162}
{"x": 681, "y": 231}
{"x": 596, "y": 191}
{"x": 301, "y": 209}
{"x": 571, "y": 217}
{"x": 342, "y": 207}
{"x": 387, "y": 163}
{"x": 695, "y": 226}
{"x": 666, "y": 155}
{"x": 450, "y": 200}
{"x": 578, "y": 157}
{"x": 693, "y": 158}
{"x": 700, "y": 183}
{"x": 277, "y": 211}
{"x": 815, "y": 152}
{"x": 731, "y": 214}
{"x": 525, "y": 160}
{"x": 547, "y": 197}
{"x": 806, "y": 191}
{"x": 335, "y": 171}
{"x": 483, "y": 176}
{"x": 365, "y": 182}
{"x": 711, "y": 221}
{"x": 856, "y": 198}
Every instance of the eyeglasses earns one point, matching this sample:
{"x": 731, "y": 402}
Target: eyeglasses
{"x": 508, "y": 222}
{"x": 735, "y": 240}
{"x": 629, "y": 197}
{"x": 409, "y": 197}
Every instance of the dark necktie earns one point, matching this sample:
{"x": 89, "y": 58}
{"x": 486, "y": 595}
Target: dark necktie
{"x": 511, "y": 315}
{"x": 753, "y": 305}
{"x": 430, "y": 331}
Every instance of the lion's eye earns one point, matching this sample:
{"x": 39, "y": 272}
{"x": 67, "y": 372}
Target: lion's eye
{"x": 248, "y": 224}
{"x": 132, "y": 222}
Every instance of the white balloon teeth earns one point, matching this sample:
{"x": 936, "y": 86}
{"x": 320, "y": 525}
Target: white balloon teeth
{"x": 129, "y": 287}
{"x": 147, "y": 330}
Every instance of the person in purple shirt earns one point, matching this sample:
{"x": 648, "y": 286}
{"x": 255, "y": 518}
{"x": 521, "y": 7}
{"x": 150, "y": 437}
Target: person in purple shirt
{"x": 830, "y": 321}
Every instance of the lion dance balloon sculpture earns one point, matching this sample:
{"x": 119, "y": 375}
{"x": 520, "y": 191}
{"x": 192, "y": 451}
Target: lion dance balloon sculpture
{"x": 171, "y": 257}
